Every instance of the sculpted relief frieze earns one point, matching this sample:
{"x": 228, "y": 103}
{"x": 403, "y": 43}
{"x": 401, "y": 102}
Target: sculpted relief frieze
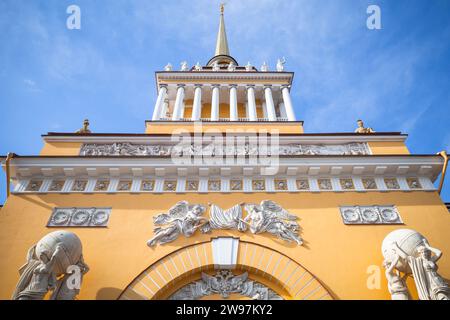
{"x": 185, "y": 219}
{"x": 129, "y": 149}
{"x": 225, "y": 283}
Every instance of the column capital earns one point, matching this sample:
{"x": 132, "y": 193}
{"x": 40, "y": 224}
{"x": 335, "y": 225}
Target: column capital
{"x": 233, "y": 85}
{"x": 285, "y": 86}
{"x": 267, "y": 86}
{"x": 163, "y": 86}
{"x": 181, "y": 85}
{"x": 216, "y": 85}
{"x": 197, "y": 85}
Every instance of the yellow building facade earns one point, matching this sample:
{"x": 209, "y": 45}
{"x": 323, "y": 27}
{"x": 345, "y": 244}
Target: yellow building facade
{"x": 224, "y": 197}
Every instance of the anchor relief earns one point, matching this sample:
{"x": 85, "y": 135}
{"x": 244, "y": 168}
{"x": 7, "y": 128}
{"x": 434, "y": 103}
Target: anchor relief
{"x": 185, "y": 219}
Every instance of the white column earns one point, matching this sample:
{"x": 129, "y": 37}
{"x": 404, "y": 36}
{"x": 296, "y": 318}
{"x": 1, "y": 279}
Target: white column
{"x": 233, "y": 103}
{"x": 251, "y": 104}
{"x": 179, "y": 103}
{"x": 271, "y": 114}
{"x": 157, "y": 113}
{"x": 197, "y": 108}
{"x": 288, "y": 104}
{"x": 215, "y": 103}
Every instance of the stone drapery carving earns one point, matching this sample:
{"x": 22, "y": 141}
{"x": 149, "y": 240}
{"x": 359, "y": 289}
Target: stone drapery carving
{"x": 185, "y": 219}
{"x": 225, "y": 283}
{"x": 128, "y": 149}
{"x": 182, "y": 219}
{"x": 47, "y": 268}
{"x": 408, "y": 252}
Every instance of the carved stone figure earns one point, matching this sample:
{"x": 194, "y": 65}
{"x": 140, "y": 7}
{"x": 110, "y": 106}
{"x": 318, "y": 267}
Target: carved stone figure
{"x": 280, "y": 64}
{"x": 416, "y": 257}
{"x": 182, "y": 219}
{"x": 430, "y": 285}
{"x": 361, "y": 129}
{"x": 184, "y": 66}
{"x": 225, "y": 283}
{"x": 231, "y": 67}
{"x": 249, "y": 67}
{"x": 85, "y": 129}
{"x": 270, "y": 217}
{"x": 168, "y": 67}
{"x": 216, "y": 66}
{"x": 198, "y": 67}
{"x": 396, "y": 283}
{"x": 47, "y": 268}
{"x": 264, "y": 67}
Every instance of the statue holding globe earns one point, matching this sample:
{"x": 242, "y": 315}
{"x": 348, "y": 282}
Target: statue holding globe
{"x": 408, "y": 252}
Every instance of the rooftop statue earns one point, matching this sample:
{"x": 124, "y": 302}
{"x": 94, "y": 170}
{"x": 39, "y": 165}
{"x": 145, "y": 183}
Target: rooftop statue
{"x": 168, "y": 67}
{"x": 216, "y": 66}
{"x": 264, "y": 67}
{"x": 85, "y": 128}
{"x": 198, "y": 67}
{"x": 231, "y": 66}
{"x": 361, "y": 129}
{"x": 280, "y": 64}
{"x": 184, "y": 66}
{"x": 249, "y": 67}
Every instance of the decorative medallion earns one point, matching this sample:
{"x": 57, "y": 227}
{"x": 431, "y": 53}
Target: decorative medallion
{"x": 236, "y": 185}
{"x": 56, "y": 186}
{"x": 303, "y": 184}
{"x": 369, "y": 184}
{"x": 34, "y": 186}
{"x": 391, "y": 183}
{"x": 101, "y": 185}
{"x": 414, "y": 183}
{"x": 170, "y": 185}
{"x": 281, "y": 185}
{"x": 259, "y": 185}
{"x": 124, "y": 185}
{"x": 192, "y": 185}
{"x": 79, "y": 217}
{"x": 372, "y": 215}
{"x": 214, "y": 185}
{"x": 347, "y": 184}
{"x": 325, "y": 184}
{"x": 79, "y": 186}
{"x": 147, "y": 185}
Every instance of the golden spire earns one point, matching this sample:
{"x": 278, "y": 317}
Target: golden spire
{"x": 222, "y": 42}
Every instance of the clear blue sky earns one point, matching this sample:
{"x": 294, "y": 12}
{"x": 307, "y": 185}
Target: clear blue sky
{"x": 396, "y": 79}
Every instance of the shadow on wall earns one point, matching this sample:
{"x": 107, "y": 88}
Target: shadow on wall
{"x": 108, "y": 294}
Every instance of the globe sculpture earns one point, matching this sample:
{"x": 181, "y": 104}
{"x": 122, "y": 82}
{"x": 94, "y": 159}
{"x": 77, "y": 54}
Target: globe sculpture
{"x": 407, "y": 241}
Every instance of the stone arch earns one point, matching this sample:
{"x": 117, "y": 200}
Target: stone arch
{"x": 265, "y": 265}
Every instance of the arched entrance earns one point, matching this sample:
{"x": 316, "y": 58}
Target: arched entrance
{"x": 255, "y": 271}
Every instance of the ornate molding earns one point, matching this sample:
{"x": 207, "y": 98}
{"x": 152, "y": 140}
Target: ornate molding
{"x": 79, "y": 217}
{"x": 185, "y": 219}
{"x": 372, "y": 215}
{"x": 158, "y": 150}
{"x": 225, "y": 283}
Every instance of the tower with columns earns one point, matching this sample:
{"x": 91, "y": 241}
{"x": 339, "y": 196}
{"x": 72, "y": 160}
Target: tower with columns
{"x": 270, "y": 213}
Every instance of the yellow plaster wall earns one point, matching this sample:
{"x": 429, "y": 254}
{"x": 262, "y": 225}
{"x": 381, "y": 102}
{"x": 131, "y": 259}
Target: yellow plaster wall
{"x": 338, "y": 255}
{"x": 388, "y": 147}
{"x": 61, "y": 149}
{"x": 169, "y": 128}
